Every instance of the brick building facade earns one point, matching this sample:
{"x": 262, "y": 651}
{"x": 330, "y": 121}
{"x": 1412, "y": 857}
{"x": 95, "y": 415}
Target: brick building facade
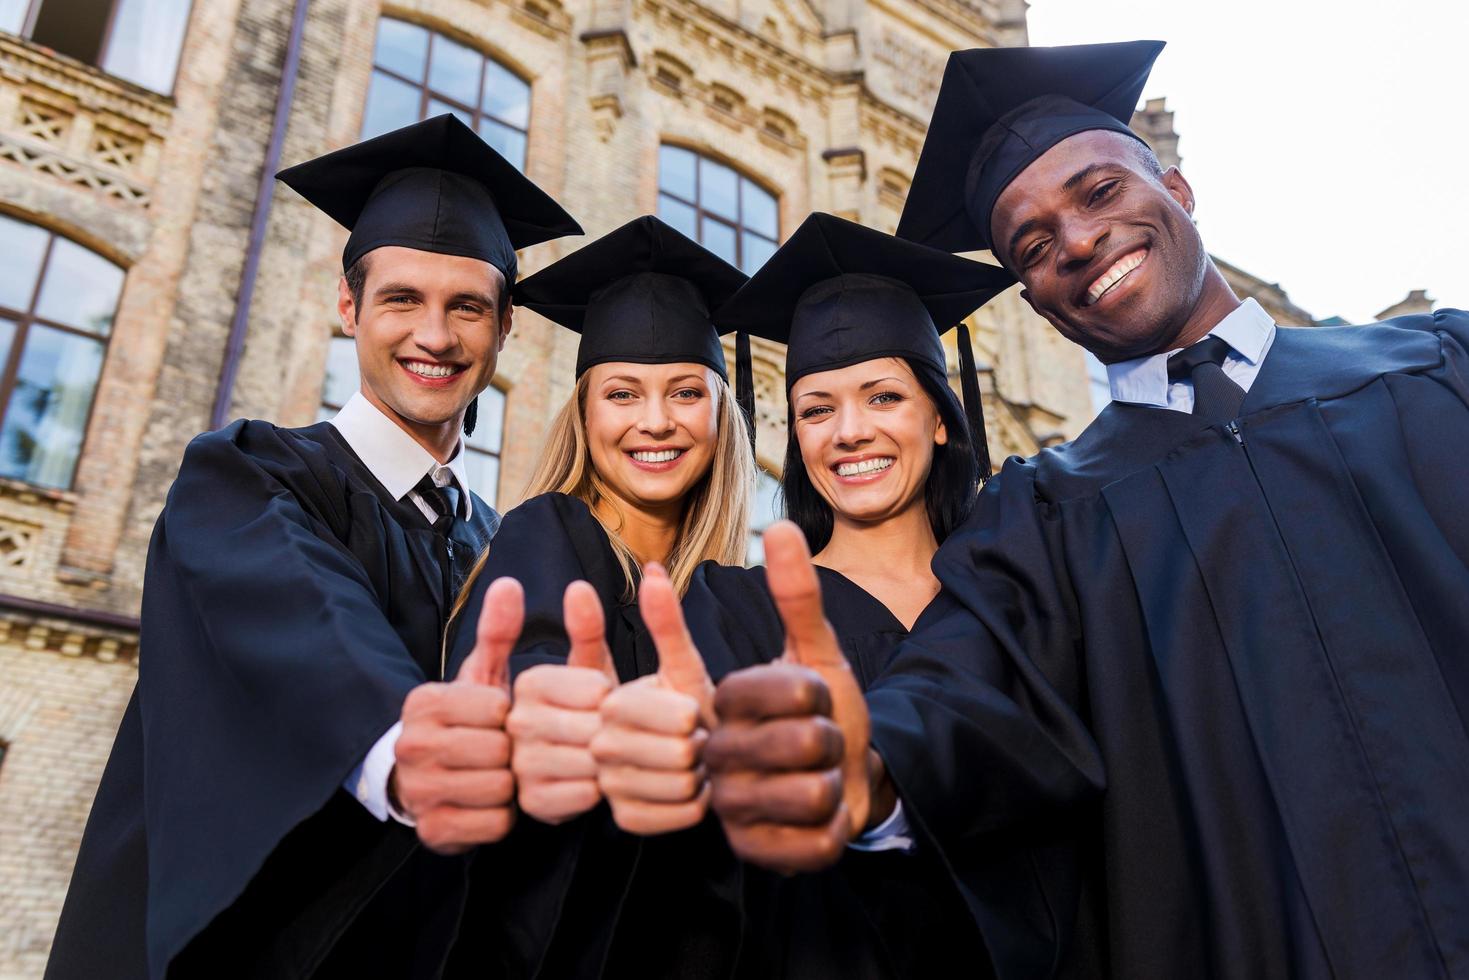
{"x": 610, "y": 105}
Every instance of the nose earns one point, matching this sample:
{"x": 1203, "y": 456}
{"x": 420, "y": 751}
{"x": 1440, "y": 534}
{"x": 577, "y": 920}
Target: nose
{"x": 1080, "y": 238}
{"x": 433, "y": 334}
{"x": 655, "y": 419}
{"x": 853, "y": 429}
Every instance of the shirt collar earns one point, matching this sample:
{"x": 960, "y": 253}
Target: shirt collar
{"x": 1144, "y": 380}
{"x": 393, "y": 456}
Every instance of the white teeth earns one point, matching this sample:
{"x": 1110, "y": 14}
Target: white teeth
{"x": 1114, "y": 275}
{"x": 429, "y": 370}
{"x": 864, "y": 466}
{"x": 661, "y": 456}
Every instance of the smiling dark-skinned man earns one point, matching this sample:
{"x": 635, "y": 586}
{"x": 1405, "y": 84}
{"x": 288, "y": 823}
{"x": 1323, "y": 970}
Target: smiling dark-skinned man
{"x": 1247, "y": 577}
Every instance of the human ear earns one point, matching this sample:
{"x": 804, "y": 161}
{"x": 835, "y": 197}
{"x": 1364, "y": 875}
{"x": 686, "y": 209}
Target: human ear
{"x": 1179, "y": 189}
{"x": 346, "y": 308}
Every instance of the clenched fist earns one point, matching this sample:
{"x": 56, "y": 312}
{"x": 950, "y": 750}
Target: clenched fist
{"x": 452, "y": 771}
{"x": 650, "y": 747}
{"x": 789, "y": 760}
{"x": 557, "y": 712}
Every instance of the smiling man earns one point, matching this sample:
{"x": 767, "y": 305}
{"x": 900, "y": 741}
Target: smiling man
{"x": 1247, "y": 578}
{"x": 256, "y": 817}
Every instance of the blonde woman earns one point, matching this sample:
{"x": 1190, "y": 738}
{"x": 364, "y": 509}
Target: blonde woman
{"x": 647, "y": 470}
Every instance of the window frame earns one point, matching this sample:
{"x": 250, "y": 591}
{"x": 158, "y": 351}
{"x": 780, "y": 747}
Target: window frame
{"x": 23, "y": 323}
{"x": 426, "y": 94}
{"x": 701, "y": 213}
{"x": 33, "y": 14}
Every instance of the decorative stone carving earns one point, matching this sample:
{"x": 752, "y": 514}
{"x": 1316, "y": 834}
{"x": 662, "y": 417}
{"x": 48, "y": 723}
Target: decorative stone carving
{"x": 79, "y": 125}
{"x": 17, "y": 546}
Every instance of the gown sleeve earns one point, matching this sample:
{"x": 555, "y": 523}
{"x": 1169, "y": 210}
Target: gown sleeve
{"x": 268, "y": 670}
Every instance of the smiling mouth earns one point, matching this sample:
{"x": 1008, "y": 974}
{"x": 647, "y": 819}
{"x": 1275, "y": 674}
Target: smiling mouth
{"x": 431, "y": 370}
{"x": 863, "y": 467}
{"x": 656, "y": 455}
{"x": 1114, "y": 275}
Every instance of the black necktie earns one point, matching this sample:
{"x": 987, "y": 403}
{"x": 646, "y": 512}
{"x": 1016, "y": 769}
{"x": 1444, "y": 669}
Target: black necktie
{"x": 1216, "y": 398}
{"x": 444, "y": 501}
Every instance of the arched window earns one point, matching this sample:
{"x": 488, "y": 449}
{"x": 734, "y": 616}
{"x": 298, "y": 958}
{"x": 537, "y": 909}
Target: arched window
{"x": 482, "y": 450}
{"x": 57, "y": 300}
{"x": 417, "y": 73}
{"x": 716, "y": 206}
{"x": 138, "y": 40}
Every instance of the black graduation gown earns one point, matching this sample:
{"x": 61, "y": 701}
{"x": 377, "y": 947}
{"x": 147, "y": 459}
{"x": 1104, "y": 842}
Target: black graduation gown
{"x": 875, "y": 914}
{"x": 584, "y": 899}
{"x": 1265, "y": 626}
{"x": 289, "y": 606}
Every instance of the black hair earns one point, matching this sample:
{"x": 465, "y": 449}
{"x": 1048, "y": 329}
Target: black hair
{"x": 953, "y": 479}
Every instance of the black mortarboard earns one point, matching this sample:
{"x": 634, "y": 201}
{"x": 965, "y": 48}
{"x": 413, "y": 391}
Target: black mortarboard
{"x": 1000, "y": 109}
{"x": 838, "y": 293}
{"x": 643, "y": 293}
{"x": 434, "y": 186}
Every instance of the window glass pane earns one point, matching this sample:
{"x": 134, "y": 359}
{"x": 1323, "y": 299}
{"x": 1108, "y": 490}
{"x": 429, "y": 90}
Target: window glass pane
{"x": 47, "y": 414}
{"x": 679, "y": 215}
{"x": 754, "y": 252}
{"x": 718, "y": 189}
{"x": 453, "y": 71}
{"x": 489, "y": 429}
{"x": 146, "y": 38}
{"x": 435, "y": 108}
{"x": 764, "y": 511}
{"x": 507, "y": 98}
{"x": 509, "y": 143}
{"x": 21, "y": 249}
{"x": 80, "y": 289}
{"x": 72, "y": 27}
{"x": 341, "y": 380}
{"x": 718, "y": 238}
{"x": 759, "y": 210}
{"x": 402, "y": 47}
{"x": 676, "y": 171}
{"x": 12, "y": 15}
{"x": 391, "y": 104}
{"x": 484, "y": 475}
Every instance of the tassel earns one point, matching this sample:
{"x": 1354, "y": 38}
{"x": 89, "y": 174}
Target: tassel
{"x": 471, "y": 416}
{"x": 745, "y": 384}
{"x": 973, "y": 406}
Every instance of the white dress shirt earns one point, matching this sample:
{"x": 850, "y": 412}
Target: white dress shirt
{"x": 398, "y": 462}
{"x": 1248, "y": 331}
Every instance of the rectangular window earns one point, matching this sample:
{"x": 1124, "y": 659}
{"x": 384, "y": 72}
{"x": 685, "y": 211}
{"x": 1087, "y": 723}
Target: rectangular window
{"x": 136, "y": 40}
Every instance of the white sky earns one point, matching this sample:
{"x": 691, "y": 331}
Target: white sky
{"x": 1327, "y": 141}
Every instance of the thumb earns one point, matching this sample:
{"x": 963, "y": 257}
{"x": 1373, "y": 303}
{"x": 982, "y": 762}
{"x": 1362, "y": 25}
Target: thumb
{"x": 797, "y": 593}
{"x": 500, "y": 619}
{"x": 679, "y": 664}
{"x": 586, "y": 628}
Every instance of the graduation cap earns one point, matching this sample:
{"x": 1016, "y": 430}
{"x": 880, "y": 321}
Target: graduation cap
{"x": 434, "y": 186}
{"x": 838, "y": 293}
{"x": 643, "y": 293}
{"x": 998, "y": 111}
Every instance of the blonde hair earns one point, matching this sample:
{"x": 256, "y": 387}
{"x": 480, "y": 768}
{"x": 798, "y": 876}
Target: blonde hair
{"x": 716, "y": 517}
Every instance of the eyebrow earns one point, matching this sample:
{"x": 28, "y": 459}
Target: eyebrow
{"x": 483, "y": 299}
{"x": 1071, "y": 182}
{"x": 395, "y": 287}
{"x": 877, "y": 381}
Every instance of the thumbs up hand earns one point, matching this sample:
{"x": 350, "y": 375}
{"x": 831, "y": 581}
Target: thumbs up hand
{"x": 452, "y": 771}
{"x": 654, "y": 728}
{"x": 789, "y": 760}
{"x": 555, "y": 716}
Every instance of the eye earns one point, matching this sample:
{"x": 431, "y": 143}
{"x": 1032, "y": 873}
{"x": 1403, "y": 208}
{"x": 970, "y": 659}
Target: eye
{"x": 885, "y": 398}
{"x": 1033, "y": 253}
{"x": 815, "y": 411}
{"x": 399, "y": 299}
{"x": 1103, "y": 191}
{"x": 469, "y": 309}
{"x": 688, "y": 394}
{"x": 620, "y": 395}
